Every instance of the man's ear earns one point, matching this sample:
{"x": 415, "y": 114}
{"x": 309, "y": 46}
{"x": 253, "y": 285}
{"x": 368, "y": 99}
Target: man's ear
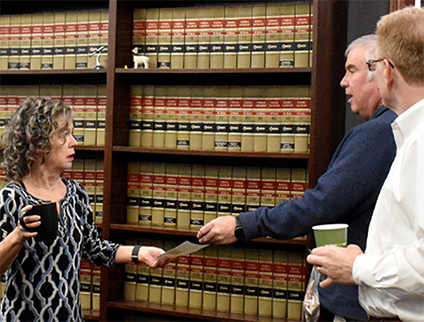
{"x": 388, "y": 73}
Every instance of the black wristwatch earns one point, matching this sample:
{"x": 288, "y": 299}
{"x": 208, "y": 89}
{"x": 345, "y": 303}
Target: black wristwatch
{"x": 239, "y": 232}
{"x": 134, "y": 254}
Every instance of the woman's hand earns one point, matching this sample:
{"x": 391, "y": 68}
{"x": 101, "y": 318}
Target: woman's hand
{"x": 149, "y": 254}
{"x": 30, "y": 221}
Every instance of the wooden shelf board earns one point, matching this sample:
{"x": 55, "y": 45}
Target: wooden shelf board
{"x": 213, "y": 71}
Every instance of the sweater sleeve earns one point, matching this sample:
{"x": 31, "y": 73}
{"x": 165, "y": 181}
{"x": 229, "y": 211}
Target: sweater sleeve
{"x": 357, "y": 170}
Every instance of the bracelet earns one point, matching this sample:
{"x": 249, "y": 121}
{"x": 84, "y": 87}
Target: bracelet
{"x": 134, "y": 254}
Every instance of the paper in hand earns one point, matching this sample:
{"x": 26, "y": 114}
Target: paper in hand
{"x": 185, "y": 248}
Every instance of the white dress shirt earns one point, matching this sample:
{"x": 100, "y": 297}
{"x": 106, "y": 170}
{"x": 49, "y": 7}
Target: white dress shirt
{"x": 390, "y": 274}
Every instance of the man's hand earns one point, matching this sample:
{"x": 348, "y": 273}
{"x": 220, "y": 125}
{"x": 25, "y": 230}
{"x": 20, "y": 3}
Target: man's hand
{"x": 335, "y": 262}
{"x": 219, "y": 231}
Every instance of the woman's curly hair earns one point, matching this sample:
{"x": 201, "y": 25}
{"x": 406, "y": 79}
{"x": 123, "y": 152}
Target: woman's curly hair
{"x": 28, "y": 134}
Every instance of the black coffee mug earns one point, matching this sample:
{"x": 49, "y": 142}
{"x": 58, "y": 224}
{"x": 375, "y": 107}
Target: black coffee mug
{"x": 47, "y": 231}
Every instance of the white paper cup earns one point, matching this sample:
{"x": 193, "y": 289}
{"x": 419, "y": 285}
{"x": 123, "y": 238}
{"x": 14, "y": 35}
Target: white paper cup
{"x": 331, "y": 234}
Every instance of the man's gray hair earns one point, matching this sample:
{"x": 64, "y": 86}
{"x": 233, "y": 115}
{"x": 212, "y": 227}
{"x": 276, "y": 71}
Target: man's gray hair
{"x": 369, "y": 43}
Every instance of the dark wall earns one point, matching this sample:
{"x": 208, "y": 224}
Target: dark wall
{"x": 363, "y": 16}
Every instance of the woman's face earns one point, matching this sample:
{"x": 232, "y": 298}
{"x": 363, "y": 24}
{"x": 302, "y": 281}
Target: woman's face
{"x": 63, "y": 143}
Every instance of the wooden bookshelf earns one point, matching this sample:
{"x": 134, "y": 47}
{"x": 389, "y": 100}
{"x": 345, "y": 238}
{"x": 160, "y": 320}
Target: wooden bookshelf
{"x": 327, "y": 126}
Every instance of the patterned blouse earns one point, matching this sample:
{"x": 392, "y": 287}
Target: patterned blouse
{"x": 43, "y": 282}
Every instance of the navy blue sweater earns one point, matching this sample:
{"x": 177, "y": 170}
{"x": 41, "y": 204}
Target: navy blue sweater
{"x": 345, "y": 193}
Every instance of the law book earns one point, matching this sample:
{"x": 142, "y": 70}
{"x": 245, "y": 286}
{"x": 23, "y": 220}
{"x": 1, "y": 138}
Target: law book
{"x": 90, "y": 182}
{"x": 287, "y": 35}
{"x": 183, "y": 280}
{"x": 223, "y": 279}
{"x": 279, "y": 294}
{"x": 208, "y": 124}
{"x": 311, "y": 35}
{"x": 25, "y": 42}
{"x": 47, "y": 44}
{"x": 248, "y": 105}
{"x": 171, "y": 117}
{"x": 268, "y": 187}
{"x": 78, "y": 170}
{"x": 183, "y": 117}
{"x": 139, "y": 30}
{"x": 133, "y": 192}
{"x": 238, "y": 190}
{"x": 253, "y": 188}
{"x": 53, "y": 91}
{"x": 135, "y": 116}
{"x": 4, "y": 41}
{"x": 3, "y": 106}
{"x": 68, "y": 95}
{"x": 36, "y": 41}
{"x": 196, "y": 280}
{"x": 101, "y": 115}
{"x": 158, "y": 194}
{"x": 224, "y": 190}
{"x": 283, "y": 185}
{"x": 171, "y": 195}
{"x": 237, "y": 280}
{"x": 94, "y": 37}
{"x": 287, "y": 120}
{"x": 12, "y": 102}
{"x": 177, "y": 38}
{"x": 156, "y": 278}
{"x": 191, "y": 38}
{"x": 95, "y": 297}
{"x": 79, "y": 113}
{"x": 302, "y": 118}
{"x": 244, "y": 40}
{"x": 143, "y": 277}
{"x": 272, "y": 39}
{"x": 147, "y": 110}
{"x": 298, "y": 182}
{"x": 152, "y": 30}
{"x": 99, "y": 190}
{"x": 266, "y": 270}
{"x": 260, "y": 121}
{"x": 104, "y": 36}
{"x": 273, "y": 118}
{"x": 251, "y": 276}
{"x": 86, "y": 285}
{"x": 71, "y": 39}
{"x": 14, "y": 42}
{"x": 196, "y": 118}
{"x": 197, "y": 196}
{"x": 301, "y": 34}
{"x": 82, "y": 40}
{"x": 217, "y": 38}
{"x": 295, "y": 285}
{"x": 205, "y": 16}
{"x": 258, "y": 36}
{"x": 221, "y": 118}
{"x": 59, "y": 40}
{"x": 159, "y": 115}
{"x": 169, "y": 277}
{"x": 130, "y": 280}
{"x": 90, "y": 116}
{"x": 146, "y": 196}
{"x": 184, "y": 196}
{"x": 211, "y": 193}
{"x": 235, "y": 118}
{"x": 164, "y": 38}
{"x": 210, "y": 272}
{"x": 231, "y": 36}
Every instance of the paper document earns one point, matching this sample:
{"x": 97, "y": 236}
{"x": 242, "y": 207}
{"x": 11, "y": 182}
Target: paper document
{"x": 185, "y": 248}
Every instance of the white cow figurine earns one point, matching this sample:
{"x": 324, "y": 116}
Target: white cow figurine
{"x": 140, "y": 60}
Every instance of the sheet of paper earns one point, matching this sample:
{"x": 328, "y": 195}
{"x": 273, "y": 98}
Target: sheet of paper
{"x": 185, "y": 248}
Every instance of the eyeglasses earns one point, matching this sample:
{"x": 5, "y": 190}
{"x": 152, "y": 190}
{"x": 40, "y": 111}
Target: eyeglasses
{"x": 372, "y": 63}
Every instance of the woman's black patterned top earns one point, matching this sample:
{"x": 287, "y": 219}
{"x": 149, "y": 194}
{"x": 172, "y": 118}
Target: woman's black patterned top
{"x": 43, "y": 282}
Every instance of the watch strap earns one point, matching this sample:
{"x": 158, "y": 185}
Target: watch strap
{"x": 134, "y": 254}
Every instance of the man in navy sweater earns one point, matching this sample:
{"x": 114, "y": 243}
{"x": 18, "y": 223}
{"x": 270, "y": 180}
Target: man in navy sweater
{"x": 345, "y": 193}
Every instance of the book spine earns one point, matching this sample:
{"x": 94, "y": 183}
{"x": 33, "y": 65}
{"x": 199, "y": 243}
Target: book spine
{"x": 217, "y": 38}
{"x": 134, "y": 138}
{"x": 95, "y": 297}
{"x": 152, "y": 30}
{"x": 14, "y": 42}
{"x": 133, "y": 192}
{"x": 4, "y": 41}
{"x": 224, "y": 279}
{"x": 258, "y": 36}
{"x": 260, "y": 121}
{"x": 279, "y": 294}
{"x": 101, "y": 115}
{"x": 268, "y": 187}
{"x": 244, "y": 36}
{"x": 147, "y": 109}
{"x": 159, "y": 113}
{"x": 183, "y": 120}
{"x": 265, "y": 282}
{"x": 283, "y": 184}
{"x": 169, "y": 278}
{"x": 100, "y": 177}
{"x": 235, "y": 119}
{"x": 25, "y": 43}
{"x": 248, "y": 104}
{"x": 82, "y": 40}
{"x": 295, "y": 285}
{"x": 196, "y": 118}
{"x": 191, "y": 38}
{"x": 139, "y": 30}
{"x": 253, "y": 188}
{"x": 238, "y": 192}
{"x": 183, "y": 280}
{"x": 198, "y": 196}
{"x": 171, "y": 117}
{"x": 301, "y": 34}
{"x": 104, "y": 36}
{"x": 287, "y": 35}
{"x": 158, "y": 194}
{"x": 221, "y": 119}
{"x": 90, "y": 181}
{"x": 204, "y": 37}
{"x": 146, "y": 196}
{"x": 93, "y": 38}
{"x": 177, "y": 38}
{"x": 196, "y": 280}
{"x": 251, "y": 290}
{"x": 273, "y": 32}
{"x": 224, "y": 190}
{"x": 70, "y": 40}
{"x": 237, "y": 280}
{"x": 164, "y": 38}
{"x": 90, "y": 130}
{"x": 59, "y": 40}
{"x": 79, "y": 114}
{"x": 85, "y": 280}
{"x": 184, "y": 196}
{"x": 156, "y": 279}
{"x": 130, "y": 281}
{"x": 231, "y": 37}
{"x": 171, "y": 180}
{"x": 211, "y": 193}
{"x": 208, "y": 124}
{"x": 210, "y": 279}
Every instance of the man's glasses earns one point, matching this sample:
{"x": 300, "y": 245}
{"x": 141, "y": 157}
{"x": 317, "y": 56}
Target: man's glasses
{"x": 372, "y": 63}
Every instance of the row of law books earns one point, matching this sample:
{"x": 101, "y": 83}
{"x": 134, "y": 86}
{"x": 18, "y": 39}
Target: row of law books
{"x": 88, "y": 102}
{"x": 90, "y": 174}
{"x": 191, "y": 195}
{"x": 234, "y": 36}
{"x": 221, "y": 118}
{"x": 54, "y": 40}
{"x": 257, "y": 282}
{"x": 90, "y": 286}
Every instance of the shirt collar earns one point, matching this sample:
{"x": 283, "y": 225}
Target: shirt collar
{"x": 406, "y": 123}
